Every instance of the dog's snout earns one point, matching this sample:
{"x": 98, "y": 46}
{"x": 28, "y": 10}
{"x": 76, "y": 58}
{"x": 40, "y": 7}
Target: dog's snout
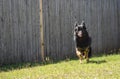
{"x": 80, "y": 33}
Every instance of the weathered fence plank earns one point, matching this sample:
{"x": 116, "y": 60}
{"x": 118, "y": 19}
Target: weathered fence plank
{"x": 1, "y": 30}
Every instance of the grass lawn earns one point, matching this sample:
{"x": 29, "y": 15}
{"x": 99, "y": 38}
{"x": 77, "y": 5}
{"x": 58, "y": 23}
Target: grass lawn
{"x": 105, "y": 67}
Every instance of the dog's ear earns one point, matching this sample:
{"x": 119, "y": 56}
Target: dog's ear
{"x": 83, "y": 24}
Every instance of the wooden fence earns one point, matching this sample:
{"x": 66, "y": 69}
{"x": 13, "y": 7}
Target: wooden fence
{"x": 19, "y": 31}
{"x": 20, "y": 28}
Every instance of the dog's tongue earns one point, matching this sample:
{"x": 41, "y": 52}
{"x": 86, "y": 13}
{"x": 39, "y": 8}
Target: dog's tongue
{"x": 80, "y": 33}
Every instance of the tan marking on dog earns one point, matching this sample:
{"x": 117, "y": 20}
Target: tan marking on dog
{"x": 80, "y": 52}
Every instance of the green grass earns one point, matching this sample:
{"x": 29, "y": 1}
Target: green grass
{"x": 105, "y": 67}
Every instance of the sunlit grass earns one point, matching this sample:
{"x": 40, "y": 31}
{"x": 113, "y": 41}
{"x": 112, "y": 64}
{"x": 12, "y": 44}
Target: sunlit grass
{"x": 105, "y": 67}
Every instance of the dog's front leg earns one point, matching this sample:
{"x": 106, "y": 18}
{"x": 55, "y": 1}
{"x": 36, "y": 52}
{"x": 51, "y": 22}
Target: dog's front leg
{"x": 79, "y": 54}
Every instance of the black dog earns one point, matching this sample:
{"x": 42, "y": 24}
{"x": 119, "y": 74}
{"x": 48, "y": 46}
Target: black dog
{"x": 82, "y": 41}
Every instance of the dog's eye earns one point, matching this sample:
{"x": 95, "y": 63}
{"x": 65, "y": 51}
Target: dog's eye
{"x": 76, "y": 29}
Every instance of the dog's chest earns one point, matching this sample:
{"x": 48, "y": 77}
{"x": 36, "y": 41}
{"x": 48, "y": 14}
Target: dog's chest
{"x": 82, "y": 42}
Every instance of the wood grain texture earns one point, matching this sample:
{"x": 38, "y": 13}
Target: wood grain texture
{"x": 19, "y": 31}
{"x": 20, "y": 39}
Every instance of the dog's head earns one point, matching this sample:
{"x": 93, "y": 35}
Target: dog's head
{"x": 80, "y": 30}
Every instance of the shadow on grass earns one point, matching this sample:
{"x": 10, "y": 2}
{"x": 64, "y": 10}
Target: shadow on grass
{"x": 94, "y": 61}
{"x": 23, "y": 65}
{"x": 97, "y": 61}
{"x": 10, "y": 67}
{"x": 7, "y": 68}
{"x": 17, "y": 66}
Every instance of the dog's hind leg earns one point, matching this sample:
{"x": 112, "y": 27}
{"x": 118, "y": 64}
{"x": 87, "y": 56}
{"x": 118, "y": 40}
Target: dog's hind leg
{"x": 87, "y": 58}
{"x": 90, "y": 52}
{"x": 86, "y": 54}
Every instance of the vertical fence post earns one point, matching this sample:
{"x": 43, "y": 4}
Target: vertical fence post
{"x": 41, "y": 31}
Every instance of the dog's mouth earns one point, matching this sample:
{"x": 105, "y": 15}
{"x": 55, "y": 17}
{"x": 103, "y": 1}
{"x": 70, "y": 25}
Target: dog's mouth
{"x": 80, "y": 34}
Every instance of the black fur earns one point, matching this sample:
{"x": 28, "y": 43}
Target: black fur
{"x": 83, "y": 41}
